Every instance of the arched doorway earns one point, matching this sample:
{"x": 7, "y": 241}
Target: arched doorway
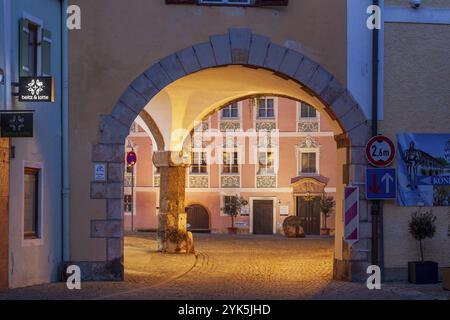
{"x": 237, "y": 56}
{"x": 197, "y": 218}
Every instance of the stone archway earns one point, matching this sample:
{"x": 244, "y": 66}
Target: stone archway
{"x": 238, "y": 47}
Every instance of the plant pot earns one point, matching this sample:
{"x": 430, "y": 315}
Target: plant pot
{"x": 423, "y": 272}
{"x": 446, "y": 278}
{"x": 233, "y": 231}
{"x": 325, "y": 231}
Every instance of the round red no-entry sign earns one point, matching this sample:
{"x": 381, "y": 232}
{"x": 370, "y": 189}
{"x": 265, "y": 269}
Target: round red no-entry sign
{"x": 380, "y": 151}
{"x": 131, "y": 158}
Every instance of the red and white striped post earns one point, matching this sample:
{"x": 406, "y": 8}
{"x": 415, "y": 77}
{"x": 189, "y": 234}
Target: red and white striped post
{"x": 351, "y": 215}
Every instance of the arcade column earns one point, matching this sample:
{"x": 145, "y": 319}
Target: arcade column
{"x": 173, "y": 236}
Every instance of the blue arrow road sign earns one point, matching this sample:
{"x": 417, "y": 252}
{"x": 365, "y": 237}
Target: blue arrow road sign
{"x": 381, "y": 184}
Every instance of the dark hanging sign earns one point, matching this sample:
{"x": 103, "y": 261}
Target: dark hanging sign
{"x": 36, "y": 89}
{"x": 16, "y": 124}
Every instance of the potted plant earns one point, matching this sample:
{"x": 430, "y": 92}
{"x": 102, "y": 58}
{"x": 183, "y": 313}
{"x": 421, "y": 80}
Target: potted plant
{"x": 327, "y": 204}
{"x": 421, "y": 227}
{"x": 233, "y": 209}
{"x": 446, "y": 271}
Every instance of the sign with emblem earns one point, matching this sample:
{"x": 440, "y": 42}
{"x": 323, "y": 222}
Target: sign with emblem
{"x": 380, "y": 151}
{"x": 17, "y": 124}
{"x": 423, "y": 169}
{"x": 100, "y": 172}
{"x": 36, "y": 89}
{"x": 131, "y": 158}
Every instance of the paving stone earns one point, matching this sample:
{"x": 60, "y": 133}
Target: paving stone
{"x": 227, "y": 268}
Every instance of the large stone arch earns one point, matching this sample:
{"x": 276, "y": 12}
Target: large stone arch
{"x": 238, "y": 47}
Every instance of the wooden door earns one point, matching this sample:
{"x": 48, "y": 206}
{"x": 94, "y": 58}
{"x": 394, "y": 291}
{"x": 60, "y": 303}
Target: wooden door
{"x": 309, "y": 211}
{"x": 263, "y": 217}
{"x": 197, "y": 218}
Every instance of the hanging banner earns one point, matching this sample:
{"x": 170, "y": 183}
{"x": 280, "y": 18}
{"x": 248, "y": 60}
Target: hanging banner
{"x": 17, "y": 124}
{"x": 351, "y": 215}
{"x": 424, "y": 170}
{"x": 36, "y": 89}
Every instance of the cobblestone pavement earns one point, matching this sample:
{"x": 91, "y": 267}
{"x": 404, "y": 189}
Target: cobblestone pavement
{"x": 230, "y": 267}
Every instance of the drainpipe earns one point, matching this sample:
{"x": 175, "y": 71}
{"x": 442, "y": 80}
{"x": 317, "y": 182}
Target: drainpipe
{"x": 376, "y": 205}
{"x": 65, "y": 136}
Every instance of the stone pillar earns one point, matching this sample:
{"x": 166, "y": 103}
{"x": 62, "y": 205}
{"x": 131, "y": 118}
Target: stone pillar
{"x": 172, "y": 218}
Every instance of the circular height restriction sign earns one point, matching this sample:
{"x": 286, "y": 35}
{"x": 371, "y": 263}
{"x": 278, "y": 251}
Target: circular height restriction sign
{"x": 380, "y": 151}
{"x": 131, "y": 158}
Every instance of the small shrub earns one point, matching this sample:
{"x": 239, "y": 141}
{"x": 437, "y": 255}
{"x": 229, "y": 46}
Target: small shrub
{"x": 421, "y": 227}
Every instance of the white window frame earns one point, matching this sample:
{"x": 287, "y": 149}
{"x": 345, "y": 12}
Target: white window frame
{"x": 40, "y": 25}
{"x": 276, "y": 164}
{"x": 300, "y": 151}
{"x": 302, "y": 119}
{"x": 127, "y": 213}
{"x": 39, "y": 241}
{"x": 275, "y": 110}
{"x": 239, "y": 111}
{"x": 222, "y": 162}
{"x": 208, "y": 162}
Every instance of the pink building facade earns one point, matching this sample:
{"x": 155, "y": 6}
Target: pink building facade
{"x": 277, "y": 154}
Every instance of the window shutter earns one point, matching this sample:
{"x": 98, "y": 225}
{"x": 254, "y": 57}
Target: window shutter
{"x": 23, "y": 50}
{"x": 265, "y": 3}
{"x": 46, "y": 46}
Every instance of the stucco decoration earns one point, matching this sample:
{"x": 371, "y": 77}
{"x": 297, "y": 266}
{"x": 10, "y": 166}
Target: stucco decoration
{"x": 266, "y": 126}
{"x": 230, "y": 126}
{"x": 266, "y": 182}
{"x": 308, "y": 143}
{"x": 231, "y": 181}
{"x": 308, "y": 126}
{"x": 309, "y": 185}
{"x": 198, "y": 181}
